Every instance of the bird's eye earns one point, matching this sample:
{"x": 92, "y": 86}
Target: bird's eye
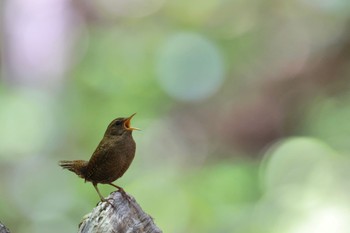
{"x": 118, "y": 122}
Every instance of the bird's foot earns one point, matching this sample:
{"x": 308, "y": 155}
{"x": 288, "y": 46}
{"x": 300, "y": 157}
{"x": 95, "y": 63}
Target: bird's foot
{"x": 122, "y": 192}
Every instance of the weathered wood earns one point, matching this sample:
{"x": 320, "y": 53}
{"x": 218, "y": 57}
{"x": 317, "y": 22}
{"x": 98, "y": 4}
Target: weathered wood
{"x": 125, "y": 216}
{"x": 3, "y": 228}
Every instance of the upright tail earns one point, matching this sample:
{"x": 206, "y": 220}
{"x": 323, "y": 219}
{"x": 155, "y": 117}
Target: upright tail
{"x": 76, "y": 166}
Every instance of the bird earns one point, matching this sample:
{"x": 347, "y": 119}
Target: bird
{"x": 111, "y": 159}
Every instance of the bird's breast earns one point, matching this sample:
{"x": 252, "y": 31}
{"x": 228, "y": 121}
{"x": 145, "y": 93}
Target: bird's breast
{"x": 121, "y": 158}
{"x": 111, "y": 160}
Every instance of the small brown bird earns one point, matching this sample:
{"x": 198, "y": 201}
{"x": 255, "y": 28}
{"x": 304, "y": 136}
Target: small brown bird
{"x": 111, "y": 158}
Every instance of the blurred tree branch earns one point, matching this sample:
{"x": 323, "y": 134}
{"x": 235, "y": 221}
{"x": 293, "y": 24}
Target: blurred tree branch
{"x": 125, "y": 215}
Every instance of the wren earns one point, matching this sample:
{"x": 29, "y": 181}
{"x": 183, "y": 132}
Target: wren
{"x": 111, "y": 158}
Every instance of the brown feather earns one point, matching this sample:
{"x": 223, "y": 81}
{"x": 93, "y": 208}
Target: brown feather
{"x": 111, "y": 158}
{"x": 76, "y": 166}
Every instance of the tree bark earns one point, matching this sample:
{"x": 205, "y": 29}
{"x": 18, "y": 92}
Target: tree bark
{"x": 122, "y": 214}
{"x": 3, "y": 228}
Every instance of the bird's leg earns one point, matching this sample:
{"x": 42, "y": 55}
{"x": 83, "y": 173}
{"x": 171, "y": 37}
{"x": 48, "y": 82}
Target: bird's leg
{"x": 98, "y": 191}
{"x": 118, "y": 187}
{"x": 122, "y": 191}
{"x": 101, "y": 197}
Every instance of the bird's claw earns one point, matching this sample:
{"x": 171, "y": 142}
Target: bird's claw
{"x": 124, "y": 194}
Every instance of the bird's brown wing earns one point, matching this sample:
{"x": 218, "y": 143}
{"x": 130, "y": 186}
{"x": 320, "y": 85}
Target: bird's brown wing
{"x": 98, "y": 162}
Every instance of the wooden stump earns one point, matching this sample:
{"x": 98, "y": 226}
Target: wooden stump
{"x": 125, "y": 216}
{"x": 3, "y": 228}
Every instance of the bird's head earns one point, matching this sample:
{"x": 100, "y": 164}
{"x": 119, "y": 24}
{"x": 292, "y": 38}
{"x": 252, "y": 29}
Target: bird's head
{"x": 120, "y": 126}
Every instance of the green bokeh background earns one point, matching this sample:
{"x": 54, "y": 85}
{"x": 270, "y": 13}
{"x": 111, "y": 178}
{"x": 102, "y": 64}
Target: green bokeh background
{"x": 253, "y": 139}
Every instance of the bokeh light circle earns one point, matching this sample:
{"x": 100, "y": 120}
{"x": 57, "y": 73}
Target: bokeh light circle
{"x": 294, "y": 161}
{"x": 190, "y": 67}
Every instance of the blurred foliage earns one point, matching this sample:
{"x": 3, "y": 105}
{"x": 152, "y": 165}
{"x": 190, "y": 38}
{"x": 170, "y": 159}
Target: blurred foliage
{"x": 243, "y": 106}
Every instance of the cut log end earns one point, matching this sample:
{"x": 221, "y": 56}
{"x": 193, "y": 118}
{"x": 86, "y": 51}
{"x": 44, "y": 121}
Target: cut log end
{"x": 124, "y": 215}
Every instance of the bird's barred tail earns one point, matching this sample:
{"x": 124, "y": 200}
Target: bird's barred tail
{"x": 76, "y": 166}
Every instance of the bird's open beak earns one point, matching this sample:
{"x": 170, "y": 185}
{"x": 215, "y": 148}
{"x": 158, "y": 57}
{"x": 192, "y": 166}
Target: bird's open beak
{"x": 127, "y": 123}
